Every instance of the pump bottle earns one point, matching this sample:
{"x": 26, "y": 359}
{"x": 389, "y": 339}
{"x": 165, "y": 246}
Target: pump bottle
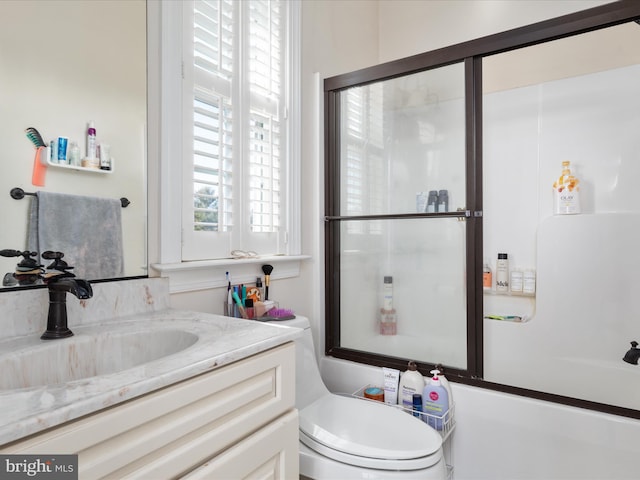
{"x": 411, "y": 383}
{"x": 435, "y": 403}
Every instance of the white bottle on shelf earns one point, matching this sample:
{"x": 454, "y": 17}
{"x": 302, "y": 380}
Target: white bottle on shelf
{"x": 566, "y": 192}
{"x": 411, "y": 382}
{"x": 516, "y": 280}
{"x": 502, "y": 273}
{"x": 529, "y": 282}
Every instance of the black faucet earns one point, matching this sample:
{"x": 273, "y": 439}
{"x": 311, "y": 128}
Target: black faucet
{"x": 633, "y": 354}
{"x": 59, "y": 281}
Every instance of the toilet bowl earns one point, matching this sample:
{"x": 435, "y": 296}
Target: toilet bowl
{"x": 343, "y": 437}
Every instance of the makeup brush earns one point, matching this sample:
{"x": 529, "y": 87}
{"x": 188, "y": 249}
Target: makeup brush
{"x": 266, "y": 269}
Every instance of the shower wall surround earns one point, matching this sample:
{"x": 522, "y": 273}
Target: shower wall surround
{"x": 585, "y": 312}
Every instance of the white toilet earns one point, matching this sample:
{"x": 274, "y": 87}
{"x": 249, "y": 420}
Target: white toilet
{"x": 343, "y": 437}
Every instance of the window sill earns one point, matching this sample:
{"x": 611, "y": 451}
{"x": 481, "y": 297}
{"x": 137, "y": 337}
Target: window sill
{"x": 207, "y": 274}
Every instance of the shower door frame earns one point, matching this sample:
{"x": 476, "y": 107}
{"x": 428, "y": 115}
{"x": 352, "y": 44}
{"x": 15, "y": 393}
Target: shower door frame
{"x": 471, "y": 53}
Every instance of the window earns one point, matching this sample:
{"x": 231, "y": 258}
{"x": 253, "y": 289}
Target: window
{"x": 237, "y": 94}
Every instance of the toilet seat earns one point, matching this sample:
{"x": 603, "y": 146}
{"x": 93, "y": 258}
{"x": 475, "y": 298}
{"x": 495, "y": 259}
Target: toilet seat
{"x": 368, "y": 434}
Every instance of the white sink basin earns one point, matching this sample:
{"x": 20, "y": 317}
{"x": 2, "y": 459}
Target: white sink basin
{"x": 27, "y": 364}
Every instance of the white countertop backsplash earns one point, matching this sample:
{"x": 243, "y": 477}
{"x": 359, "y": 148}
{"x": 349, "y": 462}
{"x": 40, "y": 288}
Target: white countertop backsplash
{"x": 23, "y": 312}
{"x": 127, "y": 306}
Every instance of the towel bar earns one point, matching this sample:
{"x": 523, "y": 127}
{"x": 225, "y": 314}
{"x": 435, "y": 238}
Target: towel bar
{"x": 18, "y": 194}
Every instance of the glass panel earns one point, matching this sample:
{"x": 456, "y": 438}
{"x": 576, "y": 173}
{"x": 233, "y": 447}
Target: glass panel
{"x": 401, "y": 138}
{"x": 578, "y": 100}
{"x": 426, "y": 260}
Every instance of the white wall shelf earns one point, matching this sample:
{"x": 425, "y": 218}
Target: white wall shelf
{"x": 79, "y": 168}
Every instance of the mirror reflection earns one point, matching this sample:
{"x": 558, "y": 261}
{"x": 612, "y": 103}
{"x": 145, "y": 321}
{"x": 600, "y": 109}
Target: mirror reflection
{"x": 63, "y": 65}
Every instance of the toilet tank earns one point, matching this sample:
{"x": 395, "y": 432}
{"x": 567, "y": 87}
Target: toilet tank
{"x": 309, "y": 384}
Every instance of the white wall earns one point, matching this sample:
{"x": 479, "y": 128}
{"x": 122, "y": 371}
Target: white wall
{"x": 408, "y": 27}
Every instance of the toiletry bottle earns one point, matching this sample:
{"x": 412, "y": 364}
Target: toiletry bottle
{"x": 516, "y": 280}
{"x": 435, "y": 403}
{"x": 391, "y": 378}
{"x": 432, "y": 202}
{"x": 411, "y": 382}
{"x": 417, "y": 405}
{"x": 502, "y": 273}
{"x": 105, "y": 156}
{"x": 259, "y": 287}
{"x": 53, "y": 150}
{"x": 443, "y": 201}
{"x": 91, "y": 141}
{"x": 566, "y": 192}
{"x": 388, "y": 317}
{"x": 487, "y": 277}
{"x": 248, "y": 307}
{"x": 74, "y": 154}
{"x": 445, "y": 383}
{"x": 63, "y": 146}
{"x": 387, "y": 294}
{"x": 529, "y": 282}
{"x": 421, "y": 202}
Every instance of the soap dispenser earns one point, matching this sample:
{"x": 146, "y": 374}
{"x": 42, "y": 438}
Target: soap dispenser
{"x": 435, "y": 403}
{"x": 439, "y": 371}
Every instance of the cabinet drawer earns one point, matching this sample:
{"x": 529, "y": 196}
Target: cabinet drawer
{"x": 271, "y": 452}
{"x": 207, "y": 413}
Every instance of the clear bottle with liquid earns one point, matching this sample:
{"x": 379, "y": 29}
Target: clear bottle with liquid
{"x": 487, "y": 276}
{"x": 388, "y": 318}
{"x": 74, "y": 154}
{"x": 566, "y": 192}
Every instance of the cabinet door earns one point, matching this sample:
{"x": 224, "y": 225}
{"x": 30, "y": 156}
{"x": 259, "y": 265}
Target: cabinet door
{"x": 270, "y": 453}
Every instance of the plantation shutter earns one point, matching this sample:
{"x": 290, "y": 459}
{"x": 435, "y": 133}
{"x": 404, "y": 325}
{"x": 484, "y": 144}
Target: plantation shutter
{"x": 233, "y": 74}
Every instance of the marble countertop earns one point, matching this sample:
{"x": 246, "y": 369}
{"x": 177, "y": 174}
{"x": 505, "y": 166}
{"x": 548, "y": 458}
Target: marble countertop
{"x": 221, "y": 341}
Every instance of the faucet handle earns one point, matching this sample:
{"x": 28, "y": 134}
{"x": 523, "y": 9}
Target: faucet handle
{"x": 27, "y": 264}
{"x": 7, "y": 252}
{"x": 58, "y": 263}
{"x": 634, "y": 344}
{"x": 10, "y": 253}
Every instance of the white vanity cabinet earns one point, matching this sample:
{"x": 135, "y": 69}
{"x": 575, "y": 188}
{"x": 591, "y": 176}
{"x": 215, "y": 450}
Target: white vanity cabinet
{"x": 236, "y": 421}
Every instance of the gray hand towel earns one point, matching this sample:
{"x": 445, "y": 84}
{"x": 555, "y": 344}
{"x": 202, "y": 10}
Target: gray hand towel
{"x": 88, "y": 230}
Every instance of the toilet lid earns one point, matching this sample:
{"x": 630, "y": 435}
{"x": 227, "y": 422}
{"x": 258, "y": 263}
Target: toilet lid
{"x": 368, "y": 434}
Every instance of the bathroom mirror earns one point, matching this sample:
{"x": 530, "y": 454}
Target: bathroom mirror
{"x": 63, "y": 64}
